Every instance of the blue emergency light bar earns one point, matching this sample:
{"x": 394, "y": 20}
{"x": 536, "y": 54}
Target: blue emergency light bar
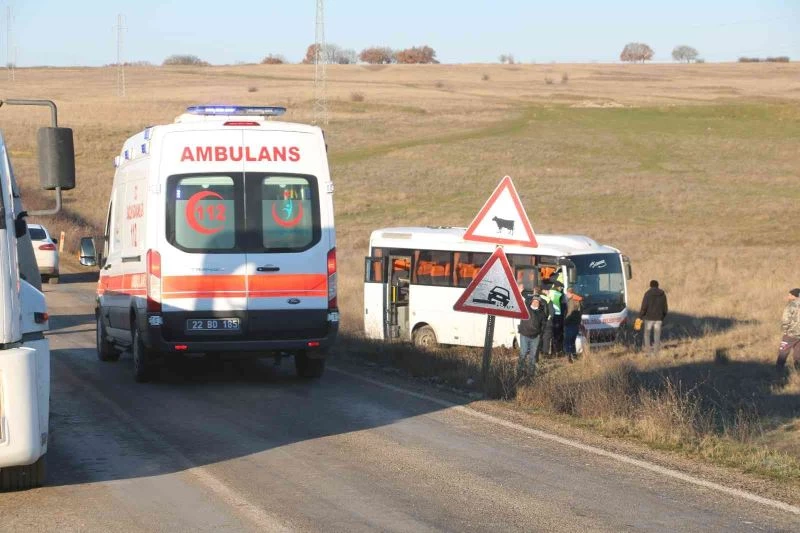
{"x": 228, "y": 110}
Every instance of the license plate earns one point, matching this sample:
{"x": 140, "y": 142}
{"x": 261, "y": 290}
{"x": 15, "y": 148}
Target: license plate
{"x": 213, "y": 324}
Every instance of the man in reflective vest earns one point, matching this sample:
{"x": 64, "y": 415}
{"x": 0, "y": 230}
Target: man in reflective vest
{"x": 557, "y": 310}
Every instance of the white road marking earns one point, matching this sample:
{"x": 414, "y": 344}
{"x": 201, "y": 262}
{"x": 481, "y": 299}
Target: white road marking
{"x": 667, "y": 472}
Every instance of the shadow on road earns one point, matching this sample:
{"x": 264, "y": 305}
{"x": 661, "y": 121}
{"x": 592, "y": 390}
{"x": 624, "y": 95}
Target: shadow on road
{"x": 78, "y": 277}
{"x": 201, "y": 411}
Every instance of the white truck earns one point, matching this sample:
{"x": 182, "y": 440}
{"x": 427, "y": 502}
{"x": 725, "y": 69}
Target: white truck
{"x": 24, "y": 350}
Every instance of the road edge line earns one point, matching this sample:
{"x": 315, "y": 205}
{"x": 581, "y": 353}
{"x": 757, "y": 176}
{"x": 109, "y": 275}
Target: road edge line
{"x": 664, "y": 471}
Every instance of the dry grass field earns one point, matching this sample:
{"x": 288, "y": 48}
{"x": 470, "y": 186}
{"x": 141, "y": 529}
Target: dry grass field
{"x": 691, "y": 170}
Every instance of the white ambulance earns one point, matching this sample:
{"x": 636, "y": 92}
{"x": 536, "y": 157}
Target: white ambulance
{"x": 220, "y": 238}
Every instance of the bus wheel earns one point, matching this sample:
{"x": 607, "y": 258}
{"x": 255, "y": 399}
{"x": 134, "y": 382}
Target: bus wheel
{"x": 424, "y": 337}
{"x": 23, "y": 477}
{"x": 105, "y": 350}
{"x": 142, "y": 359}
{"x": 307, "y": 367}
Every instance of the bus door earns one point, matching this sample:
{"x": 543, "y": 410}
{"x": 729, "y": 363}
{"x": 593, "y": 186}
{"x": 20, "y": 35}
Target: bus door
{"x": 397, "y": 326}
{"x": 376, "y": 296}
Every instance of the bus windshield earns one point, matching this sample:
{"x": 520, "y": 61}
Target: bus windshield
{"x": 600, "y": 280}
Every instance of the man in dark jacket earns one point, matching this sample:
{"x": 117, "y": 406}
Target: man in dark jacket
{"x": 530, "y": 332}
{"x": 572, "y": 322}
{"x": 653, "y": 312}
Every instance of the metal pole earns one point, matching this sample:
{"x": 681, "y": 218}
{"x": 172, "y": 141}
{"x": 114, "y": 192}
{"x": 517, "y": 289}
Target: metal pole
{"x": 487, "y": 354}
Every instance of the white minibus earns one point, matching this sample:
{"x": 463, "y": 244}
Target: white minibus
{"x": 414, "y": 275}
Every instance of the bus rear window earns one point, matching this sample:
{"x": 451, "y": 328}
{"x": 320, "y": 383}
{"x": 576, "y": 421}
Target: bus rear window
{"x": 202, "y": 213}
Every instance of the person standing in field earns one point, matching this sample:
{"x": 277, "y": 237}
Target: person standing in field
{"x": 790, "y": 327}
{"x": 530, "y": 332}
{"x": 557, "y": 311}
{"x": 572, "y": 322}
{"x": 653, "y": 311}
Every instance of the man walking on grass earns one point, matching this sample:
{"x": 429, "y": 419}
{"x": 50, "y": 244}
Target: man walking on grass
{"x": 790, "y": 326}
{"x": 653, "y": 312}
{"x": 530, "y": 332}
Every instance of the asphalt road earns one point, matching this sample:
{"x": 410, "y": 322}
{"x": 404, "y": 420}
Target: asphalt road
{"x": 245, "y": 446}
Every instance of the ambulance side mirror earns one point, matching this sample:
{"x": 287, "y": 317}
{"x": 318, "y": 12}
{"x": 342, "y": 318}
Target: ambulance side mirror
{"x": 56, "y": 158}
{"x": 88, "y": 253}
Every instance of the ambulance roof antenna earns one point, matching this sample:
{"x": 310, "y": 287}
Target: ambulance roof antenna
{"x": 320, "y": 74}
{"x": 120, "y": 65}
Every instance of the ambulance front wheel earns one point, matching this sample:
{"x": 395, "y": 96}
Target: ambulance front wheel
{"x": 105, "y": 349}
{"x": 425, "y": 337}
{"x": 307, "y": 367}
{"x": 142, "y": 359}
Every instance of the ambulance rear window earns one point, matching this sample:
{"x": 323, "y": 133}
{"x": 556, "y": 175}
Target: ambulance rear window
{"x": 289, "y": 212}
{"x": 202, "y": 213}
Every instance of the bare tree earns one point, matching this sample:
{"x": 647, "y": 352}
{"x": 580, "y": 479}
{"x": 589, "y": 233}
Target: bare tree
{"x": 507, "y": 59}
{"x": 337, "y": 55}
{"x": 185, "y": 59}
{"x": 377, "y": 55}
{"x": 634, "y": 52}
{"x": 684, "y": 53}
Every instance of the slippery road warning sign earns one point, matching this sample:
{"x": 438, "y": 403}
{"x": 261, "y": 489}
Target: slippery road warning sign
{"x": 494, "y": 291}
{"x": 502, "y": 219}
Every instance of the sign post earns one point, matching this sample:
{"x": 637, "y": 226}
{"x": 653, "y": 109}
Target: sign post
{"x": 494, "y": 291}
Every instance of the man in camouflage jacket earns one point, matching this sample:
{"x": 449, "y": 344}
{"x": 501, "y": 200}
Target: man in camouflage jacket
{"x": 790, "y": 326}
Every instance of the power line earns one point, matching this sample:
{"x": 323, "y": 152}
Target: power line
{"x": 120, "y": 63}
{"x": 320, "y": 73}
{"x": 10, "y": 49}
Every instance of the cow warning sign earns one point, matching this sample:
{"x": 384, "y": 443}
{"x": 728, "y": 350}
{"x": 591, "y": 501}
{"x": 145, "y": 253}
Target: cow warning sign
{"x": 502, "y": 219}
{"x": 494, "y": 291}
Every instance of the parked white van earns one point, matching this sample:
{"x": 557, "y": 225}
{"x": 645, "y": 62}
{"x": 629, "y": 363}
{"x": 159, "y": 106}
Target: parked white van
{"x": 220, "y": 238}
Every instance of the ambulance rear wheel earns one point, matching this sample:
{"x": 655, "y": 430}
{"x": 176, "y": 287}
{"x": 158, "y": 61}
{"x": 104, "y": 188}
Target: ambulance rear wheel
{"x": 307, "y": 367}
{"x": 23, "y": 477}
{"x": 142, "y": 359}
{"x": 105, "y": 350}
{"x": 425, "y": 337}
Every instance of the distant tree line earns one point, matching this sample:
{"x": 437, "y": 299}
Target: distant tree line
{"x": 779, "y": 59}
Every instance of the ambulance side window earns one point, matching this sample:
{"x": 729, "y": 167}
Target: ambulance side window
{"x": 289, "y": 211}
{"x": 203, "y": 213}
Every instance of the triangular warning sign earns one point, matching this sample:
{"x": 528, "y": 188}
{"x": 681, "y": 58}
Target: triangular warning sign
{"x": 494, "y": 291}
{"x": 502, "y": 219}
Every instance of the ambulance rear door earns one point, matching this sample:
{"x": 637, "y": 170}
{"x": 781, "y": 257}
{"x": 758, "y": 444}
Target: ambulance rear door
{"x": 202, "y": 261}
{"x": 290, "y": 225}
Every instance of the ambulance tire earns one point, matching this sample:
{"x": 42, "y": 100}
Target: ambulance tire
{"x": 105, "y": 349}
{"x": 24, "y": 477}
{"x": 307, "y": 367}
{"x": 143, "y": 369}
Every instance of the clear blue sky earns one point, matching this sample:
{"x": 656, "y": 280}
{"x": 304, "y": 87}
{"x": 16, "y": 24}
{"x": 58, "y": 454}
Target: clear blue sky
{"x": 81, "y": 32}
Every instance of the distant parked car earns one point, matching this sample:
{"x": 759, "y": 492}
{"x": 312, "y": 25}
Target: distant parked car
{"x": 46, "y": 252}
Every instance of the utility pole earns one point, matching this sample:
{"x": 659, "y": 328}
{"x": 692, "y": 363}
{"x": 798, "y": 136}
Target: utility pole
{"x": 10, "y": 52}
{"x": 120, "y": 64}
{"x": 320, "y": 74}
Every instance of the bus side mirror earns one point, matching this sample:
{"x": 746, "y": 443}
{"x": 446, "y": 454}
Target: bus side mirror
{"x": 572, "y": 274}
{"x": 88, "y": 252}
{"x": 56, "y": 158}
{"x": 628, "y": 270}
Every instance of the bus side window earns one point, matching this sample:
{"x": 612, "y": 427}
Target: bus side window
{"x": 424, "y": 272}
{"x": 440, "y": 274}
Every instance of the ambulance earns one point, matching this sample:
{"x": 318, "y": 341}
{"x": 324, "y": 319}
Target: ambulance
{"x": 219, "y": 239}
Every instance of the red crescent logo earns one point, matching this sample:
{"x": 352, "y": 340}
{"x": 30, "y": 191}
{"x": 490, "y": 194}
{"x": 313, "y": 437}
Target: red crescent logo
{"x": 191, "y": 208}
{"x": 288, "y": 223}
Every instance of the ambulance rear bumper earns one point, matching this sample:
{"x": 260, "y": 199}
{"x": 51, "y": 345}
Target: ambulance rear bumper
{"x": 260, "y": 334}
